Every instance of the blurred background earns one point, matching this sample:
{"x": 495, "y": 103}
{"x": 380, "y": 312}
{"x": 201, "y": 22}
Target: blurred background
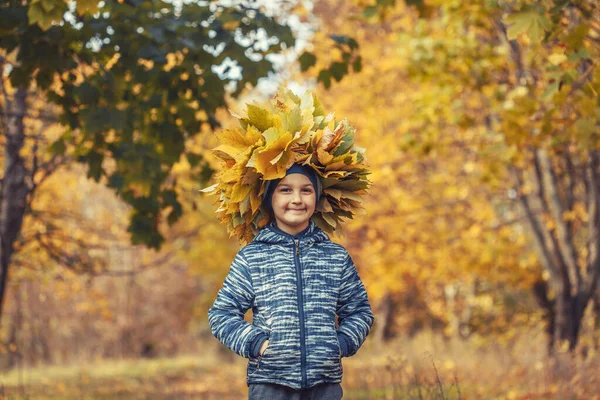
{"x": 479, "y": 247}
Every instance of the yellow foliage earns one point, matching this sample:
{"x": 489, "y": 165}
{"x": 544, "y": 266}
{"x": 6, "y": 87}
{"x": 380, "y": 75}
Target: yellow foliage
{"x": 429, "y": 217}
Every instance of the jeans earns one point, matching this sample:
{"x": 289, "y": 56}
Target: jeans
{"x": 269, "y": 391}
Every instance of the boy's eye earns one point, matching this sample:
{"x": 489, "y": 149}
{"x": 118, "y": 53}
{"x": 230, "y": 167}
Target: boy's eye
{"x": 307, "y": 190}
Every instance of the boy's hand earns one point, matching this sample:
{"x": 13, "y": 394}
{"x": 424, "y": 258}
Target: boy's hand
{"x": 263, "y": 347}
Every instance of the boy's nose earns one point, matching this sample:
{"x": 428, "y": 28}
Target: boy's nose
{"x": 296, "y": 198}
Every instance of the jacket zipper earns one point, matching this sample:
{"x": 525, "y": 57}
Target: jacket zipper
{"x": 300, "y": 312}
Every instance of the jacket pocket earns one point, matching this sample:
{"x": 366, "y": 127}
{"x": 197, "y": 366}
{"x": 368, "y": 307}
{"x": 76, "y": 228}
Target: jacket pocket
{"x": 279, "y": 358}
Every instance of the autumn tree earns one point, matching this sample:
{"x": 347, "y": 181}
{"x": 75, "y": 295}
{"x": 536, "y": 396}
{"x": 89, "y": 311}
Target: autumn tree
{"x": 519, "y": 79}
{"x": 435, "y": 243}
{"x": 131, "y": 81}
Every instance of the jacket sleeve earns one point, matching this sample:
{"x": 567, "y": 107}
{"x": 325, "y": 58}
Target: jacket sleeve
{"x": 353, "y": 310}
{"x": 226, "y": 316}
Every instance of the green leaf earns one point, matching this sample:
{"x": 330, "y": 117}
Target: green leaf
{"x": 175, "y": 214}
{"x": 538, "y": 27}
{"x": 48, "y": 5}
{"x": 12, "y": 18}
{"x": 44, "y": 78}
{"x": 20, "y": 76}
{"x": 370, "y": 12}
{"x": 580, "y": 55}
{"x": 352, "y": 43}
{"x": 338, "y": 70}
{"x": 325, "y": 78}
{"x": 576, "y": 36}
{"x": 38, "y": 15}
{"x": 58, "y": 147}
{"x": 423, "y": 10}
{"x": 116, "y": 181}
{"x": 346, "y": 144}
{"x": 532, "y": 23}
{"x": 143, "y": 230}
{"x": 307, "y": 60}
{"x": 87, "y": 93}
{"x": 194, "y": 159}
{"x": 519, "y": 23}
{"x": 94, "y": 161}
{"x": 357, "y": 64}
{"x": 102, "y": 119}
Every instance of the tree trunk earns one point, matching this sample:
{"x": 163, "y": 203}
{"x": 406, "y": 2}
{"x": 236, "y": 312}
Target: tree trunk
{"x": 564, "y": 317}
{"x": 569, "y": 315}
{"x": 540, "y": 291}
{"x": 388, "y": 313}
{"x": 596, "y": 309}
{"x": 14, "y": 186}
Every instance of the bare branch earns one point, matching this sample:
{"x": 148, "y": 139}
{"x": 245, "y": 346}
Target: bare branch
{"x": 542, "y": 197}
{"x": 536, "y": 227}
{"x": 162, "y": 261}
{"x": 565, "y": 241}
{"x": 515, "y": 52}
{"x": 571, "y": 179}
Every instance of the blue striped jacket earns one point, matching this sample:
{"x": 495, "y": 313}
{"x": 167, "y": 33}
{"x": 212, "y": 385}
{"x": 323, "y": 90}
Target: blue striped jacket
{"x": 295, "y": 285}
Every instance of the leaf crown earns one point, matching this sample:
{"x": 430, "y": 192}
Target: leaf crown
{"x": 272, "y": 137}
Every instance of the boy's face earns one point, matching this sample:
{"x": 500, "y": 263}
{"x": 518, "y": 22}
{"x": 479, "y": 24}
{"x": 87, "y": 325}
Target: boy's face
{"x": 293, "y": 203}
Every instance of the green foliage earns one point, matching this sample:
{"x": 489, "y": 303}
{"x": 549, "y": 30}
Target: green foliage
{"x": 348, "y": 48}
{"x": 307, "y": 60}
{"x": 45, "y": 12}
{"x": 532, "y": 22}
{"x": 134, "y": 82}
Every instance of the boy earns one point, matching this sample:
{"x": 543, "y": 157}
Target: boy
{"x": 297, "y": 283}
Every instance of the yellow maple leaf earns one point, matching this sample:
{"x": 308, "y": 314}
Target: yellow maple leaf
{"x": 274, "y": 158}
{"x": 262, "y": 118}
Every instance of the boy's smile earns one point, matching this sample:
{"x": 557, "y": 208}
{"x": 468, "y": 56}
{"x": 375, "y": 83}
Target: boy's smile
{"x": 293, "y": 203}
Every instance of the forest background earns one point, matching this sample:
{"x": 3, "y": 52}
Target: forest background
{"x": 478, "y": 246}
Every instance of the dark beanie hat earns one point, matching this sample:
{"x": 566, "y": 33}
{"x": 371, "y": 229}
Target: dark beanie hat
{"x": 305, "y": 170}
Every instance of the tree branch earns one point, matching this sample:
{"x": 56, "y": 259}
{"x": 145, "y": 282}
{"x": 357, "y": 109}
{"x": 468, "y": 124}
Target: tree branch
{"x": 593, "y": 268}
{"x": 536, "y": 228}
{"x": 542, "y": 198}
{"x": 159, "y": 262}
{"x": 565, "y": 242}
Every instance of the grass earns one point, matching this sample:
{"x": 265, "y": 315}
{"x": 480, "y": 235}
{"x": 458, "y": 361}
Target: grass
{"x": 169, "y": 378}
{"x": 426, "y": 367}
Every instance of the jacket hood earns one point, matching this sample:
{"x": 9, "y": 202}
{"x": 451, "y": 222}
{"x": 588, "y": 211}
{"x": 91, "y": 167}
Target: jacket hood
{"x": 272, "y": 234}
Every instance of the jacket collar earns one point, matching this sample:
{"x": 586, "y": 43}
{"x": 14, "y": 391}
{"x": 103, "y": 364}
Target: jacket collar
{"x": 272, "y": 234}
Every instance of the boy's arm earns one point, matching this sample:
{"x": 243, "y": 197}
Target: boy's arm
{"x": 353, "y": 310}
{"x": 226, "y": 316}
